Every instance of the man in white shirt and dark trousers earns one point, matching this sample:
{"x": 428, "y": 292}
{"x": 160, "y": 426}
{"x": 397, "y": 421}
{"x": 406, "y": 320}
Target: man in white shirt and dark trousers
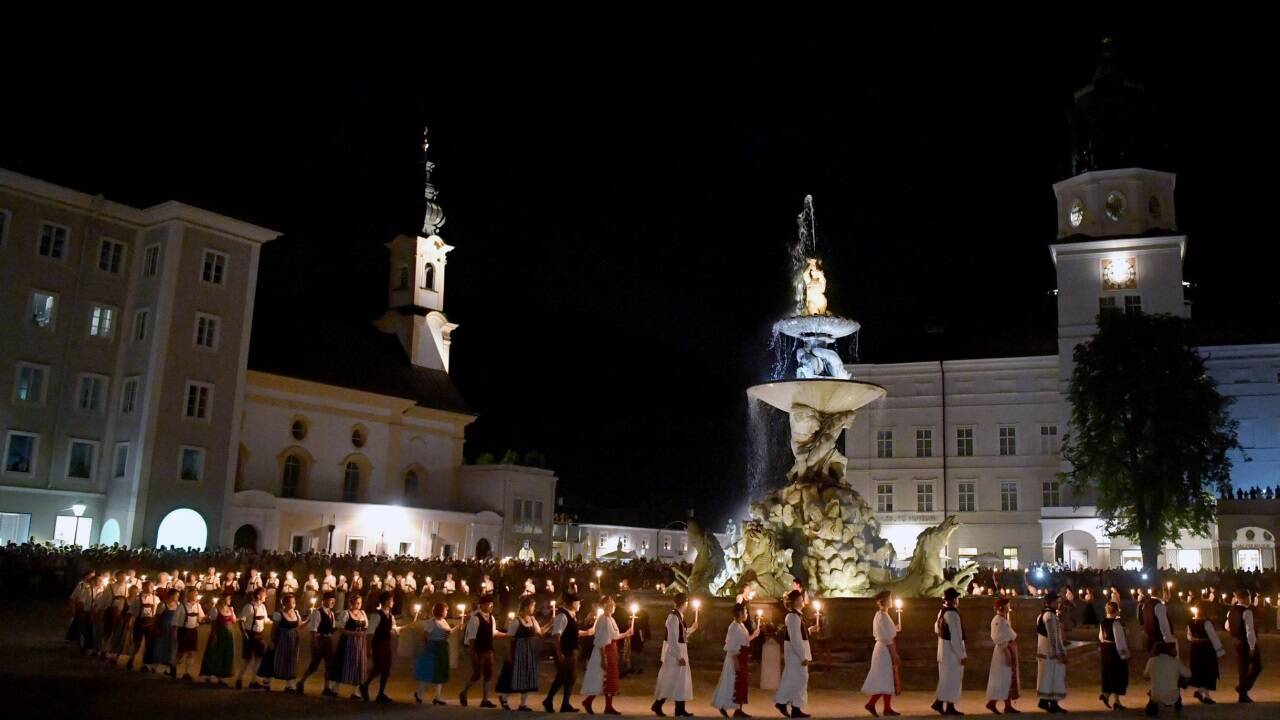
{"x": 793, "y": 688}
{"x": 1244, "y": 634}
{"x": 675, "y": 681}
{"x": 1051, "y": 657}
{"x": 565, "y": 636}
{"x": 951, "y": 655}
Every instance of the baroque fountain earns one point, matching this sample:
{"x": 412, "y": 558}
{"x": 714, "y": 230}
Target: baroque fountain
{"x": 817, "y": 528}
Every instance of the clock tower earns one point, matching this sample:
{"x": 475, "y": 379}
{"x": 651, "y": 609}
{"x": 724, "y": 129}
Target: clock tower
{"x": 1118, "y": 247}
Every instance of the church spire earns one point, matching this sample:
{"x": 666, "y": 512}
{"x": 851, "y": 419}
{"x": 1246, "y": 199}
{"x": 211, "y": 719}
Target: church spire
{"x": 433, "y": 215}
{"x": 1112, "y": 122}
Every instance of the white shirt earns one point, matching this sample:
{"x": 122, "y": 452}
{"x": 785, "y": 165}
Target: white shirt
{"x": 559, "y": 623}
{"x": 253, "y": 617}
{"x": 1249, "y": 632}
{"x": 796, "y": 647}
{"x": 736, "y": 637}
{"x": 313, "y": 620}
{"x": 883, "y": 629}
{"x": 145, "y": 605}
{"x": 189, "y": 615}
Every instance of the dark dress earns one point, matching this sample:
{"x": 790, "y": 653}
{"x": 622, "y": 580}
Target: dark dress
{"x": 220, "y": 652}
{"x": 381, "y": 642}
{"x": 163, "y": 650}
{"x": 1115, "y": 669}
{"x": 284, "y": 651}
{"x": 1204, "y": 659}
{"x": 352, "y": 658}
{"x": 520, "y": 671}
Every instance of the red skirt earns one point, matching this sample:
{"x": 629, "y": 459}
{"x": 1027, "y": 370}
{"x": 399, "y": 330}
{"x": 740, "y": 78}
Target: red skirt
{"x": 610, "y": 660}
{"x": 742, "y": 675}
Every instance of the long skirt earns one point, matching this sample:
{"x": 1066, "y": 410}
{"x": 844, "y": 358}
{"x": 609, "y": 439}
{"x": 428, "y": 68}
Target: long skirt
{"x": 188, "y": 639}
{"x": 219, "y": 653}
{"x": 351, "y": 663}
{"x": 731, "y": 691}
{"x": 1051, "y": 679}
{"x": 284, "y": 655}
{"x": 520, "y": 671}
{"x": 162, "y": 651}
{"x": 1115, "y": 671}
{"x": 120, "y": 634}
{"x": 602, "y": 671}
{"x": 1204, "y": 665}
{"x": 1000, "y": 677}
{"x": 1090, "y": 614}
{"x": 110, "y": 621}
{"x": 880, "y": 676}
{"x": 432, "y": 666}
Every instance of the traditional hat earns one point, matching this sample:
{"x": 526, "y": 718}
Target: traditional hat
{"x": 1002, "y": 602}
{"x": 486, "y": 598}
{"x": 951, "y": 593}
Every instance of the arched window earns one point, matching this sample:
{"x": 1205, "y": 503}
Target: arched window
{"x": 429, "y": 276}
{"x": 182, "y": 528}
{"x": 351, "y": 483}
{"x": 291, "y": 477}
{"x": 410, "y": 483}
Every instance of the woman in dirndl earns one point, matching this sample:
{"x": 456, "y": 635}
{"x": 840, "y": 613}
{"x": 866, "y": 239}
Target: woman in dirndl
{"x": 735, "y": 674}
{"x": 520, "y": 671}
{"x": 161, "y": 655}
{"x": 601, "y": 677}
{"x": 219, "y": 662}
{"x": 1206, "y": 648}
{"x": 281, "y": 661}
{"x": 432, "y": 666}
{"x": 1113, "y": 649}
{"x": 351, "y": 665}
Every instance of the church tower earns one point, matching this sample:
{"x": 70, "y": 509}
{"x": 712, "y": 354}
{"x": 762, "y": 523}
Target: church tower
{"x": 415, "y": 297}
{"x": 1117, "y": 245}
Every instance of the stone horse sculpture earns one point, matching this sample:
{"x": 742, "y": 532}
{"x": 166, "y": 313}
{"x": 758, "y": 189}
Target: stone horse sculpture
{"x": 708, "y": 564}
{"x": 924, "y": 577}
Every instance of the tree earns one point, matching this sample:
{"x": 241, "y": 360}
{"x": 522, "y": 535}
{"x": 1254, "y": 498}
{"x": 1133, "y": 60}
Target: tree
{"x": 1149, "y": 431}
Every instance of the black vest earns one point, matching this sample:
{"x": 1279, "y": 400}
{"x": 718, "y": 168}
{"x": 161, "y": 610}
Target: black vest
{"x": 484, "y": 634}
{"x": 382, "y": 633}
{"x": 1150, "y": 624}
{"x": 568, "y": 638}
{"x": 1196, "y": 628}
{"x": 1041, "y": 627}
{"x": 326, "y": 623}
{"x": 944, "y": 630}
{"x": 681, "y": 639}
{"x": 1109, "y": 630}
{"x": 1235, "y": 617}
{"x": 786, "y": 634}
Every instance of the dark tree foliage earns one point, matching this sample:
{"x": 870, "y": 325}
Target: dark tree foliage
{"x": 1149, "y": 431}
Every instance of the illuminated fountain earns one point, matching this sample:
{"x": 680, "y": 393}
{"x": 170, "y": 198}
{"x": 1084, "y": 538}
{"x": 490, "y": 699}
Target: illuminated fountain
{"x": 817, "y": 528}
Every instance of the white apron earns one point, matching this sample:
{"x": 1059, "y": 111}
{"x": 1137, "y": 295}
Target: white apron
{"x": 1051, "y": 674}
{"x": 770, "y": 665}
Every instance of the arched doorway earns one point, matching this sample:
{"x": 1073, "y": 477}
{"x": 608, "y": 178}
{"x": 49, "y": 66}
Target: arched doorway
{"x": 110, "y": 534}
{"x": 1076, "y": 549}
{"x": 182, "y": 528}
{"x": 246, "y": 538}
{"x": 483, "y": 549}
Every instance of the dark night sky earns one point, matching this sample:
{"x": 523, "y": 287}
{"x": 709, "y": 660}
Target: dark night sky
{"x": 621, "y": 187}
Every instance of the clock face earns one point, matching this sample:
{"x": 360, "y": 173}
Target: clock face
{"x": 1153, "y": 206}
{"x": 1120, "y": 273}
{"x": 1076, "y": 214}
{"x": 1115, "y": 205}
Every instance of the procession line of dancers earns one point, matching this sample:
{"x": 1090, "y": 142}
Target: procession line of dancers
{"x": 354, "y": 649}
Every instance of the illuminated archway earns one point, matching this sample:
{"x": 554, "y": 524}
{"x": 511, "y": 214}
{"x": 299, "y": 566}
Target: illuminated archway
{"x": 182, "y": 528}
{"x": 110, "y": 532}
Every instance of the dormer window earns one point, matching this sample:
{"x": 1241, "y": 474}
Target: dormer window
{"x": 429, "y": 276}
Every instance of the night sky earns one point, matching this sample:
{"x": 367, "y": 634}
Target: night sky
{"x": 621, "y": 187}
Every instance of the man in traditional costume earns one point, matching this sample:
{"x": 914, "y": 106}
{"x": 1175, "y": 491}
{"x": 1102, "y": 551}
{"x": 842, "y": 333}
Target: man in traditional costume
{"x": 793, "y": 688}
{"x": 1051, "y": 657}
{"x": 1243, "y": 632}
{"x": 951, "y": 654}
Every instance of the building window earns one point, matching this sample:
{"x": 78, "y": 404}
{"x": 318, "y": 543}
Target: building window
{"x": 1133, "y": 303}
{"x": 684, "y": 543}
{"x": 1131, "y": 559}
{"x": 44, "y": 309}
{"x": 191, "y": 464}
{"x": 402, "y": 283}
{"x": 355, "y": 546}
{"x": 666, "y": 543}
{"x": 964, "y": 442}
{"x": 198, "y": 395}
{"x": 53, "y": 240}
{"x": 140, "y": 318}
{"x": 924, "y": 443}
{"x": 1049, "y": 439}
{"x": 120, "y": 461}
{"x": 29, "y": 388}
{"x": 14, "y": 528}
{"x": 1008, "y": 440}
{"x": 884, "y": 497}
{"x": 151, "y": 261}
{"x": 20, "y": 452}
{"x": 528, "y": 517}
{"x": 1051, "y": 493}
{"x": 298, "y": 429}
{"x": 884, "y": 443}
{"x": 966, "y": 556}
{"x": 406, "y": 548}
{"x": 351, "y": 483}
{"x": 80, "y": 459}
{"x": 206, "y": 335}
{"x": 924, "y": 497}
{"x": 102, "y": 321}
{"x": 1008, "y": 495}
{"x": 429, "y": 276}
{"x": 604, "y": 538}
{"x": 1009, "y": 556}
{"x": 72, "y": 530}
{"x": 111, "y": 256}
{"x": 214, "y": 267}
{"x": 298, "y": 543}
{"x": 359, "y": 436}
{"x": 291, "y": 477}
{"x": 410, "y": 484}
{"x": 129, "y": 395}
{"x": 968, "y": 496}
{"x": 93, "y": 389}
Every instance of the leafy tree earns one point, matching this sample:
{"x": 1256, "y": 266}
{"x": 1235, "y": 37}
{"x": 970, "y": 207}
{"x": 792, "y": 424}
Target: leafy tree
{"x": 485, "y": 458}
{"x": 510, "y": 457}
{"x": 535, "y": 458}
{"x": 1149, "y": 431}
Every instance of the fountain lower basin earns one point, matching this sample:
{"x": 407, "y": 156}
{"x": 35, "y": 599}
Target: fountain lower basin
{"x": 826, "y": 395}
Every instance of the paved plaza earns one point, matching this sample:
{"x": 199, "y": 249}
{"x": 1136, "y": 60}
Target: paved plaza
{"x": 44, "y": 677}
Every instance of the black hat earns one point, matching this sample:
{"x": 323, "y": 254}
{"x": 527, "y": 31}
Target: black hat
{"x": 569, "y": 598}
{"x": 951, "y": 594}
{"x": 1051, "y": 596}
{"x": 486, "y": 598}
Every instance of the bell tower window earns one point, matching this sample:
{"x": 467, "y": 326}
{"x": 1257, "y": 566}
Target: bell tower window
{"x": 429, "y": 276}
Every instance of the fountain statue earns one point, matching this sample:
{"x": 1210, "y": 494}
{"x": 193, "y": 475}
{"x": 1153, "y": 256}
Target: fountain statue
{"x": 817, "y": 528}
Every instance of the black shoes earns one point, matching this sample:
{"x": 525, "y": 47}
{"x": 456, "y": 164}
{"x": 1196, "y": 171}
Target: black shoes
{"x": 680, "y": 711}
{"x": 567, "y": 708}
{"x": 782, "y": 709}
{"x": 797, "y": 713}
{"x": 656, "y": 707}
{"x": 939, "y": 708}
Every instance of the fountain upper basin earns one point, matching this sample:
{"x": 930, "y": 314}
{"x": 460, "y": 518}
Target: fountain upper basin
{"x": 816, "y": 326}
{"x": 826, "y": 395}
